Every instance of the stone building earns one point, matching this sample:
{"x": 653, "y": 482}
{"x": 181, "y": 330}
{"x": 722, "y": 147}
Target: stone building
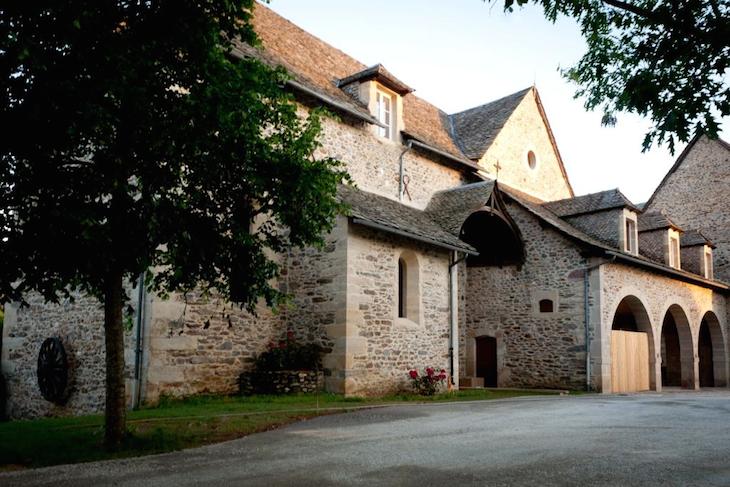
{"x": 465, "y": 249}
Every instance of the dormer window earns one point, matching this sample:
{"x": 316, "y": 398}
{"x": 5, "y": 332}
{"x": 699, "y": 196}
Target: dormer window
{"x": 384, "y": 111}
{"x": 708, "y": 270}
{"x": 631, "y": 244}
{"x": 674, "y": 260}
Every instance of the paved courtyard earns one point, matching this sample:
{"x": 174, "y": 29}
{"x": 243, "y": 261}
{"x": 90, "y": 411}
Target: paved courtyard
{"x": 675, "y": 438}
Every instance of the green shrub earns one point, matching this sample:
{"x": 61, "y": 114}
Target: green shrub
{"x": 289, "y": 355}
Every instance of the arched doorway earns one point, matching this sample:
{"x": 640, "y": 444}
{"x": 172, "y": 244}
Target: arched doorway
{"x": 711, "y": 352}
{"x": 677, "y": 350}
{"x": 486, "y": 360}
{"x": 632, "y": 348}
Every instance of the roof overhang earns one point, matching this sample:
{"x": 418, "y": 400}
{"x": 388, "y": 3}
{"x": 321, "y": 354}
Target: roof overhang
{"x": 403, "y": 233}
{"x": 379, "y": 74}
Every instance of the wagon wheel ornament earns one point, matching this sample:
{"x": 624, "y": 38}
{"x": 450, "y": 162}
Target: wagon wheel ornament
{"x": 52, "y": 370}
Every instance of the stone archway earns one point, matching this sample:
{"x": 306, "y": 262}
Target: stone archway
{"x": 678, "y": 365}
{"x": 631, "y": 323}
{"x": 711, "y": 352}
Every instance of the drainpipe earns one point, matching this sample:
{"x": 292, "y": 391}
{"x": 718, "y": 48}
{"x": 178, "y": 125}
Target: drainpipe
{"x": 138, "y": 343}
{"x": 454, "y": 261}
{"x": 586, "y": 315}
{"x": 409, "y": 145}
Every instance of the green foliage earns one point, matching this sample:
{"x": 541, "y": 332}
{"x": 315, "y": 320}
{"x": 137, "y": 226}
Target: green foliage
{"x": 664, "y": 59}
{"x": 289, "y": 355}
{"x": 134, "y": 140}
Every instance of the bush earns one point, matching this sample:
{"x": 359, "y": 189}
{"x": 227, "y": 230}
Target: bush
{"x": 429, "y": 383}
{"x": 289, "y": 355}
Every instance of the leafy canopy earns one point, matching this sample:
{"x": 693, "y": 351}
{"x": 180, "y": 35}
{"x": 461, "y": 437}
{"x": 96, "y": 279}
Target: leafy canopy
{"x": 133, "y": 140}
{"x": 665, "y": 59}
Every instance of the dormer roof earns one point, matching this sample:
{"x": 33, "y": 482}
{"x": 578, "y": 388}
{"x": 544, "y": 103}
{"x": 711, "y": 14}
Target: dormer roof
{"x": 590, "y": 203}
{"x": 379, "y": 74}
{"x": 692, "y": 238}
{"x": 656, "y": 220}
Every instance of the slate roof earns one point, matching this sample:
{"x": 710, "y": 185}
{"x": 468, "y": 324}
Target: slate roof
{"x": 655, "y": 220}
{"x": 476, "y": 128}
{"x": 379, "y": 73}
{"x": 590, "y": 203}
{"x": 451, "y": 208}
{"x": 389, "y": 215}
{"x": 690, "y": 238}
{"x": 320, "y": 67}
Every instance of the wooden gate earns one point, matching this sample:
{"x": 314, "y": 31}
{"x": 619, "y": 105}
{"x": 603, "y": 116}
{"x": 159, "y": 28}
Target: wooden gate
{"x": 629, "y": 361}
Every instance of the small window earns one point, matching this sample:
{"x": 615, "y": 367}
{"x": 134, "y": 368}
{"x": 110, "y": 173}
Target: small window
{"x": 630, "y": 236}
{"x": 385, "y": 113}
{"x": 402, "y": 276}
{"x": 674, "y": 252}
{"x": 708, "y": 265}
{"x": 531, "y": 159}
{"x": 546, "y": 306}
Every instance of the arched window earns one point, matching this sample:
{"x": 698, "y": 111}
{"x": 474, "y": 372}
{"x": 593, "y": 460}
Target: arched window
{"x": 402, "y": 288}
{"x": 546, "y": 306}
{"x": 407, "y": 293}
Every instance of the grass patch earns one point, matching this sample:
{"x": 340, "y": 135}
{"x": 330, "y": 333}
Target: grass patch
{"x": 184, "y": 423}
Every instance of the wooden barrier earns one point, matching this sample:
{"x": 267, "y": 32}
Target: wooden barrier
{"x": 629, "y": 361}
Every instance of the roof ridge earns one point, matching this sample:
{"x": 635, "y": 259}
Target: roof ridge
{"x": 522, "y": 91}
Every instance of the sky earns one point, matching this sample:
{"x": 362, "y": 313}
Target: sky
{"x": 458, "y": 54}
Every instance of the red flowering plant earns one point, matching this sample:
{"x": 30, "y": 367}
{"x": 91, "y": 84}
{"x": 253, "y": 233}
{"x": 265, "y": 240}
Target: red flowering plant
{"x": 428, "y": 383}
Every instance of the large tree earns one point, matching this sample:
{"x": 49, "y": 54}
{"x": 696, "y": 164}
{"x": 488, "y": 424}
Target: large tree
{"x": 665, "y": 59}
{"x": 133, "y": 141}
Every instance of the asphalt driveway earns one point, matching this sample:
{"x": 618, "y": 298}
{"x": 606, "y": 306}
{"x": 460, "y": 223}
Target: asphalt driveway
{"x": 678, "y": 438}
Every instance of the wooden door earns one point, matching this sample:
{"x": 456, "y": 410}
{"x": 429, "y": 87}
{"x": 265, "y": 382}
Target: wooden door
{"x": 487, "y": 360}
{"x": 629, "y": 361}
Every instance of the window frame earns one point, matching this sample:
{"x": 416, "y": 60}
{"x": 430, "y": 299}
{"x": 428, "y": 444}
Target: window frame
{"x": 708, "y": 263}
{"x": 674, "y": 251}
{"x": 381, "y": 113}
{"x": 631, "y": 234}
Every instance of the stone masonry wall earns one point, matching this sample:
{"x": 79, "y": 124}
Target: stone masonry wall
{"x": 533, "y": 349}
{"x": 381, "y": 346}
{"x": 80, "y": 325}
{"x": 525, "y": 130}
{"x": 373, "y": 163}
{"x": 204, "y": 345}
{"x": 656, "y": 293}
{"x": 697, "y": 196}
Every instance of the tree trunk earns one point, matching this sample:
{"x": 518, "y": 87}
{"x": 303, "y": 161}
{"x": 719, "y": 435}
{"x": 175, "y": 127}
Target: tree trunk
{"x": 116, "y": 411}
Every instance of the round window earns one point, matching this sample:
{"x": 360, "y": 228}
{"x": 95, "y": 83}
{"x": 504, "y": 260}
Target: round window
{"x": 531, "y": 159}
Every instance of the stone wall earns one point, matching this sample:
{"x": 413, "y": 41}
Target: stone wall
{"x": 533, "y": 349}
{"x": 696, "y": 196}
{"x": 80, "y": 325}
{"x": 381, "y": 347}
{"x": 656, "y": 294}
{"x": 201, "y": 344}
{"x": 526, "y": 130}
{"x": 373, "y": 163}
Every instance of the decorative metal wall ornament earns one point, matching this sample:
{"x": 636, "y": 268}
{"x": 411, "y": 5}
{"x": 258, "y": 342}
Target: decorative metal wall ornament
{"x": 53, "y": 370}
